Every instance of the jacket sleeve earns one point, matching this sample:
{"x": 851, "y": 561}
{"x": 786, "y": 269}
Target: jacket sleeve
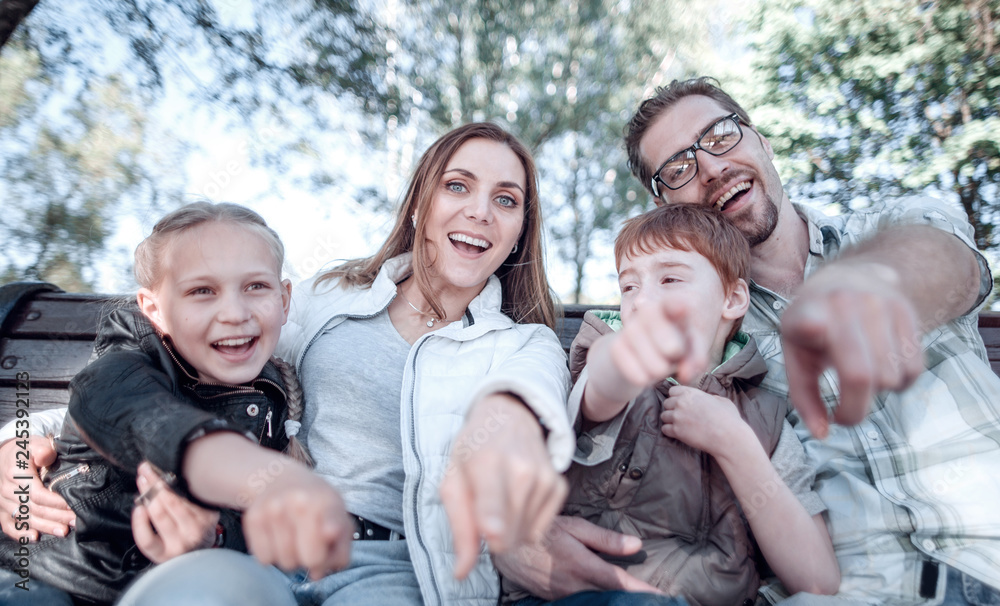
{"x": 595, "y": 445}
{"x": 128, "y": 410}
{"x": 43, "y": 423}
{"x": 538, "y": 375}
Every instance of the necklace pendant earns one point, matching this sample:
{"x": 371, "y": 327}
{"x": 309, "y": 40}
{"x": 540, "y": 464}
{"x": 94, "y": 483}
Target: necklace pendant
{"x": 430, "y": 322}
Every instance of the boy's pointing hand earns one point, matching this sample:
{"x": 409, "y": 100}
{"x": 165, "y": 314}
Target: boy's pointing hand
{"x": 657, "y": 343}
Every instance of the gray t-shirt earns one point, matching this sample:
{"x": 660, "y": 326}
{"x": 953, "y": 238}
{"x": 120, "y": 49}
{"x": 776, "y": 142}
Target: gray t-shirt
{"x": 789, "y": 460}
{"x": 352, "y": 376}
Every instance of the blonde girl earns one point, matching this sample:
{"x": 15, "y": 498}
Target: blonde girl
{"x": 185, "y": 386}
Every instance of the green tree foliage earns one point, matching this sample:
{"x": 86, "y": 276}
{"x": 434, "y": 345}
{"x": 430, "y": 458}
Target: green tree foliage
{"x": 77, "y": 149}
{"x": 283, "y": 50}
{"x": 63, "y": 183}
{"x": 563, "y": 75}
{"x": 874, "y": 98}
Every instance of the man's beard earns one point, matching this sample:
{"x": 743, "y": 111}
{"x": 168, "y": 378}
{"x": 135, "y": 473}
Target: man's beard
{"x": 756, "y": 225}
{"x": 761, "y": 225}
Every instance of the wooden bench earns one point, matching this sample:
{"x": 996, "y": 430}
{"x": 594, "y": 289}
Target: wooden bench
{"x": 48, "y": 334}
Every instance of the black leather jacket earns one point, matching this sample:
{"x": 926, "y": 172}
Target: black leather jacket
{"x": 137, "y": 401}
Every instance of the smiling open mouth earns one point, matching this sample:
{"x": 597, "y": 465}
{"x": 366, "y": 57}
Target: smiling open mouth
{"x": 732, "y": 195}
{"x": 468, "y": 243}
{"x": 235, "y": 345}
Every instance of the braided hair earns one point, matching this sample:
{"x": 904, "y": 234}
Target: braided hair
{"x": 295, "y": 402}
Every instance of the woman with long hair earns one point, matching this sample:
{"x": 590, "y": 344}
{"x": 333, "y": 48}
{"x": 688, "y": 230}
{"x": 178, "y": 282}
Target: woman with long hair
{"x": 435, "y": 392}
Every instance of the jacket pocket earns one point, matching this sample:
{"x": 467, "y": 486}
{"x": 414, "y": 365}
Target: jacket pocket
{"x": 620, "y": 465}
{"x": 630, "y": 469}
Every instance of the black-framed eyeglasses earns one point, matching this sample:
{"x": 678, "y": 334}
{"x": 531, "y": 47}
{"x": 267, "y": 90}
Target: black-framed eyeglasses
{"x": 681, "y": 167}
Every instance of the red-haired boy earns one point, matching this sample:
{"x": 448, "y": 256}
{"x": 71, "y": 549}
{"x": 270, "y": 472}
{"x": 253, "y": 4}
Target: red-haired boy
{"x": 686, "y": 465}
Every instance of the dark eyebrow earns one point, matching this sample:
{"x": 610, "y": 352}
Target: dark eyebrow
{"x": 701, "y": 133}
{"x": 469, "y": 175}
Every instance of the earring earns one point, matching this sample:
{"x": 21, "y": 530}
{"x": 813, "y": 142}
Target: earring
{"x": 413, "y": 218}
{"x": 514, "y": 249}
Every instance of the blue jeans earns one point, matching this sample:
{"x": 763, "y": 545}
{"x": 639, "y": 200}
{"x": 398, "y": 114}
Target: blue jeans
{"x": 220, "y": 577}
{"x": 38, "y": 593}
{"x": 607, "y": 598}
{"x": 380, "y": 573}
{"x": 210, "y": 577}
{"x": 960, "y": 588}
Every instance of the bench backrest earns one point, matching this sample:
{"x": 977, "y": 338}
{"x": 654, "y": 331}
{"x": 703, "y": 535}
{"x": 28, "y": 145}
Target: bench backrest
{"x": 48, "y": 335}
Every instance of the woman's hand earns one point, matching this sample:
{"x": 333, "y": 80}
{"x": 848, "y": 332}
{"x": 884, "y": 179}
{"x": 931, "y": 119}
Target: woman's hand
{"x": 500, "y": 483}
{"x": 166, "y": 525}
{"x": 47, "y": 512}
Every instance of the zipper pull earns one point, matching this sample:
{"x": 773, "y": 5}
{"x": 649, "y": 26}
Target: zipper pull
{"x": 267, "y": 420}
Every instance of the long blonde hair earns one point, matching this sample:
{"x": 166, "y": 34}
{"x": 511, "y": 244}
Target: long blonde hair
{"x": 526, "y": 294}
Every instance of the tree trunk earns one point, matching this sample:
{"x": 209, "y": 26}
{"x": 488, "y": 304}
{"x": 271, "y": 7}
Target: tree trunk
{"x": 968, "y": 195}
{"x": 12, "y": 13}
{"x": 580, "y": 232}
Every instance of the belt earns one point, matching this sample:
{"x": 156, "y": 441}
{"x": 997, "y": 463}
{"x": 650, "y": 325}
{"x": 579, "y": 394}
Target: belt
{"x": 929, "y": 579}
{"x": 366, "y": 530}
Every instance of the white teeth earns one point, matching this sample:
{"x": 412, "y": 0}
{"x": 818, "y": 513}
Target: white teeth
{"x": 483, "y": 244}
{"x": 234, "y": 342}
{"x": 742, "y": 186}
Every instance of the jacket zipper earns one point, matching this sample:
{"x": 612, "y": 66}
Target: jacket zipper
{"x": 80, "y": 469}
{"x": 420, "y": 468}
{"x": 240, "y": 389}
{"x": 235, "y": 388}
{"x": 706, "y": 506}
{"x": 413, "y": 427}
{"x": 302, "y": 356}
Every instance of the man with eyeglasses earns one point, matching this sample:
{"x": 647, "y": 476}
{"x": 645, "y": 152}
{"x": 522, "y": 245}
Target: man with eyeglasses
{"x": 871, "y": 315}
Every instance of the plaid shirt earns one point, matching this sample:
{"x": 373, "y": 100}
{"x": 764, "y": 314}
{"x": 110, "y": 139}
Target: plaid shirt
{"x": 919, "y": 478}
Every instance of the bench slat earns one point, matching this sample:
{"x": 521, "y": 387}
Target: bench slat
{"x": 39, "y": 399}
{"x": 45, "y": 360}
{"x": 567, "y": 328}
{"x": 71, "y": 317}
{"x": 50, "y": 337}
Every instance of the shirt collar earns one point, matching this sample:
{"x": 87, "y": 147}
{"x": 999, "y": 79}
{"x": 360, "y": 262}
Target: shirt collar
{"x": 824, "y": 243}
{"x": 824, "y": 237}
